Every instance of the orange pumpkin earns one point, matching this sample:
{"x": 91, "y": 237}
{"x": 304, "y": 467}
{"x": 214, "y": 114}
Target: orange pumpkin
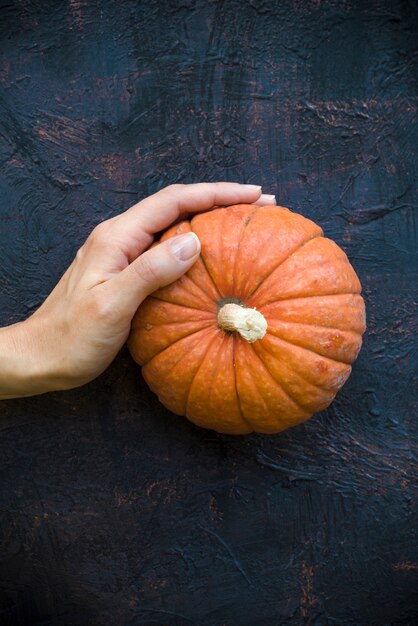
{"x": 261, "y": 331}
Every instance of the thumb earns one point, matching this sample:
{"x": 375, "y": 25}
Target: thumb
{"x": 159, "y": 266}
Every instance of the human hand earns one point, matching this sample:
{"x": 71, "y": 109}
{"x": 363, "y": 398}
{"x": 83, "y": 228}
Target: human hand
{"x": 86, "y": 319}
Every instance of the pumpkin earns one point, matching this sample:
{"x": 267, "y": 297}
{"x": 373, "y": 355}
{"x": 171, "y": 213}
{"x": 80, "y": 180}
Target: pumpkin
{"x": 261, "y": 332}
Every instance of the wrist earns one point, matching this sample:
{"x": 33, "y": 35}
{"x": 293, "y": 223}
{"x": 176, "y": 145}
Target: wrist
{"x": 26, "y": 365}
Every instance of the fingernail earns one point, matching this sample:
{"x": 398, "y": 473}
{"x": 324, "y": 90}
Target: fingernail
{"x": 184, "y": 247}
{"x": 267, "y": 198}
{"x": 253, "y": 187}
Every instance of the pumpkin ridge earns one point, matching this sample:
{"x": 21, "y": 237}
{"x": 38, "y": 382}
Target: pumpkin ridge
{"x": 198, "y": 286}
{"x": 209, "y": 274}
{"x": 341, "y": 330}
{"x": 321, "y": 387}
{"x": 285, "y": 389}
{"x": 239, "y": 245}
{"x": 279, "y": 384}
{"x": 298, "y": 345}
{"x": 205, "y": 267}
{"x": 186, "y": 306}
{"x": 177, "y": 341}
{"x": 183, "y": 306}
{"x": 244, "y": 419}
{"x": 322, "y": 295}
{"x": 186, "y": 275}
{"x": 205, "y": 264}
{"x": 169, "y": 371}
{"x": 281, "y": 263}
{"x": 162, "y": 326}
{"x": 210, "y": 343}
{"x": 246, "y": 223}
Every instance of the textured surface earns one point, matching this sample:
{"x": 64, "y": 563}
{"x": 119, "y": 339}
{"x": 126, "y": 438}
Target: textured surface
{"x": 113, "y": 511}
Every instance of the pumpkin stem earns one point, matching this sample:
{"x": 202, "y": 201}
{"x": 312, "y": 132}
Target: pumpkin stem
{"x": 249, "y": 323}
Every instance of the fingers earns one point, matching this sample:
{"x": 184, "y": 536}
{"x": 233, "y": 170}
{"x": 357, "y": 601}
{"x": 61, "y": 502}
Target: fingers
{"x": 264, "y": 199}
{"x": 155, "y": 268}
{"x": 157, "y": 212}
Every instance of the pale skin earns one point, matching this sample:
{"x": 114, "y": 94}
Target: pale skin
{"x": 79, "y": 329}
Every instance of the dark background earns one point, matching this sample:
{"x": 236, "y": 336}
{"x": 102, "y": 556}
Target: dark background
{"x": 112, "y": 510}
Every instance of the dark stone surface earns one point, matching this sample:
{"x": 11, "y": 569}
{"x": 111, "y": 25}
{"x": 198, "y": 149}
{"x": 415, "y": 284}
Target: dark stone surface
{"x": 112, "y": 510}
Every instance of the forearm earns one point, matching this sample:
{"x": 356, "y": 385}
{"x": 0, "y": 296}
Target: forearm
{"x": 24, "y": 368}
